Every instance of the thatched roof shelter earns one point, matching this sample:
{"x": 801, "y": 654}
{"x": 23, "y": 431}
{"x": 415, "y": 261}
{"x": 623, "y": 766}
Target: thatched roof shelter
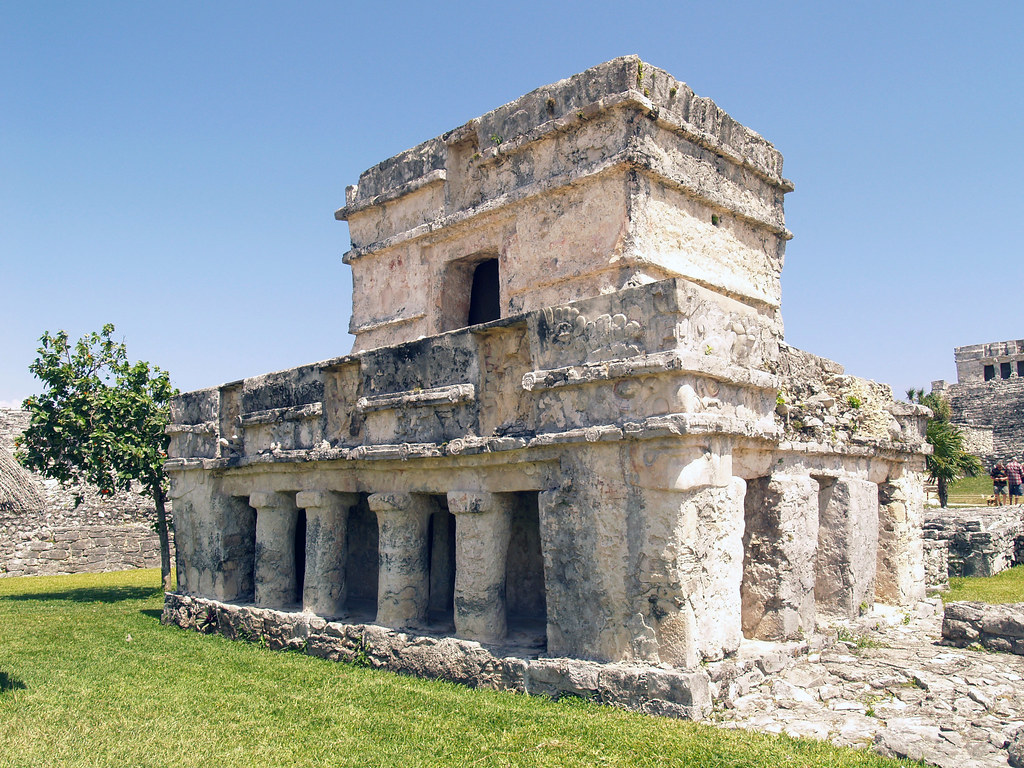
{"x": 19, "y": 490}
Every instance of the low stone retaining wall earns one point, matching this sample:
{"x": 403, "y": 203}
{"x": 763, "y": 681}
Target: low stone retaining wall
{"x": 74, "y": 549}
{"x": 654, "y": 690}
{"x": 981, "y": 542}
{"x": 996, "y": 627}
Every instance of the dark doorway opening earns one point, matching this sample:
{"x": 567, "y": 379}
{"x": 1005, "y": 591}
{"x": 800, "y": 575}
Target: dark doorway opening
{"x": 441, "y": 539}
{"x": 362, "y": 562}
{"x": 526, "y": 613}
{"x": 299, "y": 544}
{"x": 485, "y": 296}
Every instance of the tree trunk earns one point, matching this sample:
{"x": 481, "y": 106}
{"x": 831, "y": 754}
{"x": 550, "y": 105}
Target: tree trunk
{"x": 943, "y": 492}
{"x": 165, "y": 544}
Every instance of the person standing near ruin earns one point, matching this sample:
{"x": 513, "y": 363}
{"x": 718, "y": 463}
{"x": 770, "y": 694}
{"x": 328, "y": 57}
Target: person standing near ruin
{"x": 998, "y": 475}
{"x": 1015, "y": 476}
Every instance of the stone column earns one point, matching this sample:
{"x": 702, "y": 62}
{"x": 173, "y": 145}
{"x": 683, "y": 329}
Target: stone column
{"x": 325, "y": 590}
{"x": 276, "y": 518}
{"x": 900, "y": 571}
{"x": 779, "y": 541}
{"x": 214, "y": 538}
{"x": 481, "y": 548}
{"x": 847, "y": 546}
{"x": 404, "y": 579}
{"x": 685, "y": 524}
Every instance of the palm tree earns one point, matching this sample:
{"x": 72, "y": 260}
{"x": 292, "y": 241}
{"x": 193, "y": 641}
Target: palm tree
{"x": 949, "y": 461}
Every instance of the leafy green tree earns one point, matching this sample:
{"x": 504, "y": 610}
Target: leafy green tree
{"x": 100, "y": 421}
{"x": 949, "y": 461}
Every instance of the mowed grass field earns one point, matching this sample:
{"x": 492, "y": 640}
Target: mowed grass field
{"x": 1004, "y": 587}
{"x": 89, "y": 677}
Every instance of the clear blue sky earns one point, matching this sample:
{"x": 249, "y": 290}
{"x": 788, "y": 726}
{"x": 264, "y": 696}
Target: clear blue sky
{"x": 173, "y": 168}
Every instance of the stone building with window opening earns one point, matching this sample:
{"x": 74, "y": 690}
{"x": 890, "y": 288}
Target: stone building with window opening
{"x": 987, "y": 399}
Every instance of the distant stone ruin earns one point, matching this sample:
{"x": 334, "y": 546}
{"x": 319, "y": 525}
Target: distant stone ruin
{"x": 569, "y": 425}
{"x": 987, "y": 399}
{"x": 43, "y": 532}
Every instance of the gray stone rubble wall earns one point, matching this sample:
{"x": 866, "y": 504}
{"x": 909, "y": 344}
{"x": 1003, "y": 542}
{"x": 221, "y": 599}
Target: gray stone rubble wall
{"x": 995, "y": 627}
{"x": 657, "y": 691}
{"x": 54, "y": 536}
{"x": 981, "y": 542}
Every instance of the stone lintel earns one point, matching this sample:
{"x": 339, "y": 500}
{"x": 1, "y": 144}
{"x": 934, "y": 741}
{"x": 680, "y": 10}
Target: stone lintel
{"x": 272, "y": 415}
{"x": 671, "y": 425}
{"x": 205, "y": 428}
{"x": 451, "y": 394}
{"x": 640, "y": 365}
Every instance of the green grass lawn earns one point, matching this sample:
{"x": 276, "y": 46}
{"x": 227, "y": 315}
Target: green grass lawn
{"x": 89, "y": 677}
{"x": 971, "y": 486}
{"x": 1005, "y": 587}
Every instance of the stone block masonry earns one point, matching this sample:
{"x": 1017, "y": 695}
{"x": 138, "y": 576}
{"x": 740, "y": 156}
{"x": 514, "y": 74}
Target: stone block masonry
{"x": 570, "y": 421}
{"x": 86, "y": 549}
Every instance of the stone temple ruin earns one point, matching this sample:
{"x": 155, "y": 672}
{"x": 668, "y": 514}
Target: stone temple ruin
{"x": 569, "y": 424}
{"x": 988, "y": 398}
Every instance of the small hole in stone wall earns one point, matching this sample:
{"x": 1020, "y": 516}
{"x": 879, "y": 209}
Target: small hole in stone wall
{"x": 716, "y": 219}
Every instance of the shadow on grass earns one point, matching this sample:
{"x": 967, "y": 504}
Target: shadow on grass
{"x": 153, "y": 613}
{"x": 92, "y": 594}
{"x": 9, "y": 683}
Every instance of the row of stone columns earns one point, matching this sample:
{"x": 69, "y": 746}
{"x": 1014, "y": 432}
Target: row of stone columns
{"x": 813, "y": 545}
{"x": 481, "y": 547}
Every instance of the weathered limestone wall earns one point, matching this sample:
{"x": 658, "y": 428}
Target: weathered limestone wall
{"x": 615, "y": 177}
{"x": 43, "y": 532}
{"x": 642, "y": 462}
{"x": 936, "y": 563}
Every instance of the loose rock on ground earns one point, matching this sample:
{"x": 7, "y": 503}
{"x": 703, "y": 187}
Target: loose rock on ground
{"x": 889, "y": 685}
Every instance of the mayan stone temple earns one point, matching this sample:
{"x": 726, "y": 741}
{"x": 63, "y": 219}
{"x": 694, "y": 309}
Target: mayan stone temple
{"x": 570, "y": 450}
